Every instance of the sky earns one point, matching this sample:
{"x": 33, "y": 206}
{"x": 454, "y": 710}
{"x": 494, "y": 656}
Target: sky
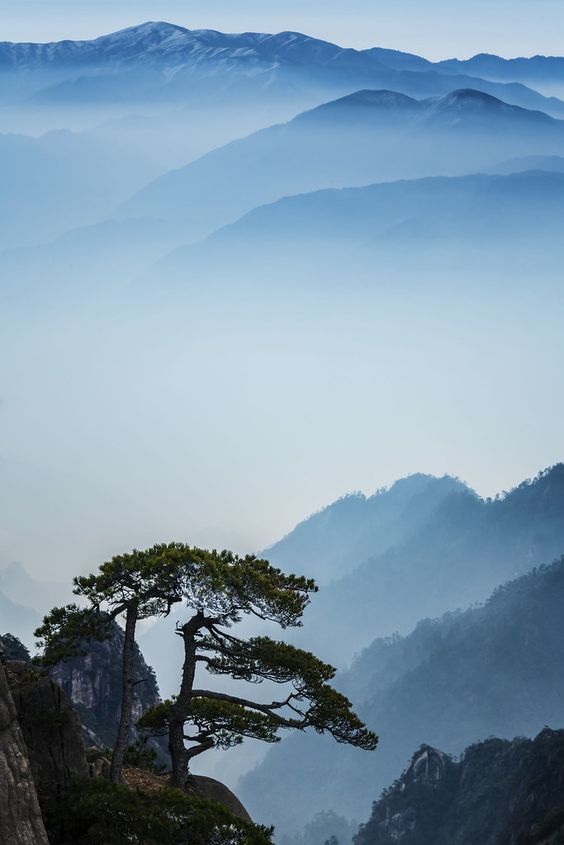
{"x": 437, "y": 29}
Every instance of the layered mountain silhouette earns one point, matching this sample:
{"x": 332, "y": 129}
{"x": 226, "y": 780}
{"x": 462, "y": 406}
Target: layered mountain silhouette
{"x": 465, "y": 107}
{"x": 329, "y": 544}
{"x": 366, "y": 137}
{"x": 159, "y": 60}
{"x": 420, "y": 549}
{"x": 423, "y": 232}
{"x": 454, "y": 549}
{"x": 495, "y": 670}
{"x": 465, "y": 205}
{"x": 534, "y": 70}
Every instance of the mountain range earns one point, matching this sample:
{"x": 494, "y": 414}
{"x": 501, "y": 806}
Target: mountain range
{"x": 159, "y": 60}
{"x": 454, "y": 549}
{"x": 329, "y": 544}
{"x": 312, "y": 238}
{"x": 535, "y": 70}
{"x": 422, "y": 234}
{"x": 428, "y": 544}
{"x": 145, "y": 370}
{"x": 493, "y": 670}
{"x": 366, "y": 137}
{"x": 500, "y": 792}
{"x": 422, "y": 548}
{"x": 395, "y": 117}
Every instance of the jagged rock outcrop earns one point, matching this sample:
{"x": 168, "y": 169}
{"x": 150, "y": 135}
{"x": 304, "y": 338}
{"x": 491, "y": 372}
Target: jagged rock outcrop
{"x": 407, "y": 812}
{"x": 52, "y": 734}
{"x": 501, "y": 792}
{"x": 20, "y": 816}
{"x": 494, "y": 670}
{"x": 93, "y": 683}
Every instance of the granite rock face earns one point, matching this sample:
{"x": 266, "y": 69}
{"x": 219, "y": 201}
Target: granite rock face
{"x": 52, "y": 734}
{"x": 20, "y": 816}
{"x": 500, "y": 792}
{"x": 93, "y": 683}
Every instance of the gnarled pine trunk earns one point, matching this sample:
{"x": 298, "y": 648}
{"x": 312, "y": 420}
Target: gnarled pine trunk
{"x": 128, "y": 686}
{"x": 179, "y": 754}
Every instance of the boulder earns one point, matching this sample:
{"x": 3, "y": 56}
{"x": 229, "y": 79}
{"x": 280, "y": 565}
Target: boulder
{"x": 216, "y": 791}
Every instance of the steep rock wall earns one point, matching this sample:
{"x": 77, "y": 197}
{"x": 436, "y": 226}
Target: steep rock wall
{"x": 52, "y": 734}
{"x": 93, "y": 683}
{"x": 20, "y": 817}
{"x": 501, "y": 792}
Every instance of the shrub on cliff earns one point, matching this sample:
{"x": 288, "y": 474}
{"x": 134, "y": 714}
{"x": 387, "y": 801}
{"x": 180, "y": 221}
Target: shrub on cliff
{"x": 13, "y": 649}
{"x": 99, "y": 812}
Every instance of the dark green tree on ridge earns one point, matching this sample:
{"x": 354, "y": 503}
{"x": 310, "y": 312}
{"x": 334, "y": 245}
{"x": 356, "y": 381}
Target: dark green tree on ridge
{"x": 218, "y": 589}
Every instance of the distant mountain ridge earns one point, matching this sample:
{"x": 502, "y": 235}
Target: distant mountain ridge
{"x": 456, "y": 555}
{"x": 462, "y": 205}
{"x": 169, "y": 43}
{"x": 496, "y": 669}
{"x": 531, "y": 70}
{"x": 164, "y": 41}
{"x": 465, "y": 102}
{"x": 330, "y": 543}
{"x": 409, "y": 230}
{"x": 260, "y": 62}
{"x": 422, "y": 548}
{"x": 393, "y": 137}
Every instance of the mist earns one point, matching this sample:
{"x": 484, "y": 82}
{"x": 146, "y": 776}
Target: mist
{"x": 221, "y": 392}
{"x": 261, "y": 293}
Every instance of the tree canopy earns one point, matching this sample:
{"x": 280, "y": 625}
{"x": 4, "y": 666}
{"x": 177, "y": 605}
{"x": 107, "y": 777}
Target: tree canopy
{"x": 217, "y": 719}
{"x": 216, "y": 591}
{"x": 13, "y": 649}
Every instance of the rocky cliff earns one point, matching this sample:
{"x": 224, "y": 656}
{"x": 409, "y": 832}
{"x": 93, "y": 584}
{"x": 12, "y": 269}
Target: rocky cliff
{"x": 93, "y": 683}
{"x": 52, "y": 733}
{"x": 46, "y": 742}
{"x": 20, "y": 817}
{"x": 499, "y": 793}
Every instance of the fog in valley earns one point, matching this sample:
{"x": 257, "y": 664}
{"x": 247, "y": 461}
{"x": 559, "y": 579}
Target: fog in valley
{"x": 242, "y": 278}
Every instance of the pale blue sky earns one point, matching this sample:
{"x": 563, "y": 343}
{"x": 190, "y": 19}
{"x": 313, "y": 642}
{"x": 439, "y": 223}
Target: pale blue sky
{"x": 438, "y": 29}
